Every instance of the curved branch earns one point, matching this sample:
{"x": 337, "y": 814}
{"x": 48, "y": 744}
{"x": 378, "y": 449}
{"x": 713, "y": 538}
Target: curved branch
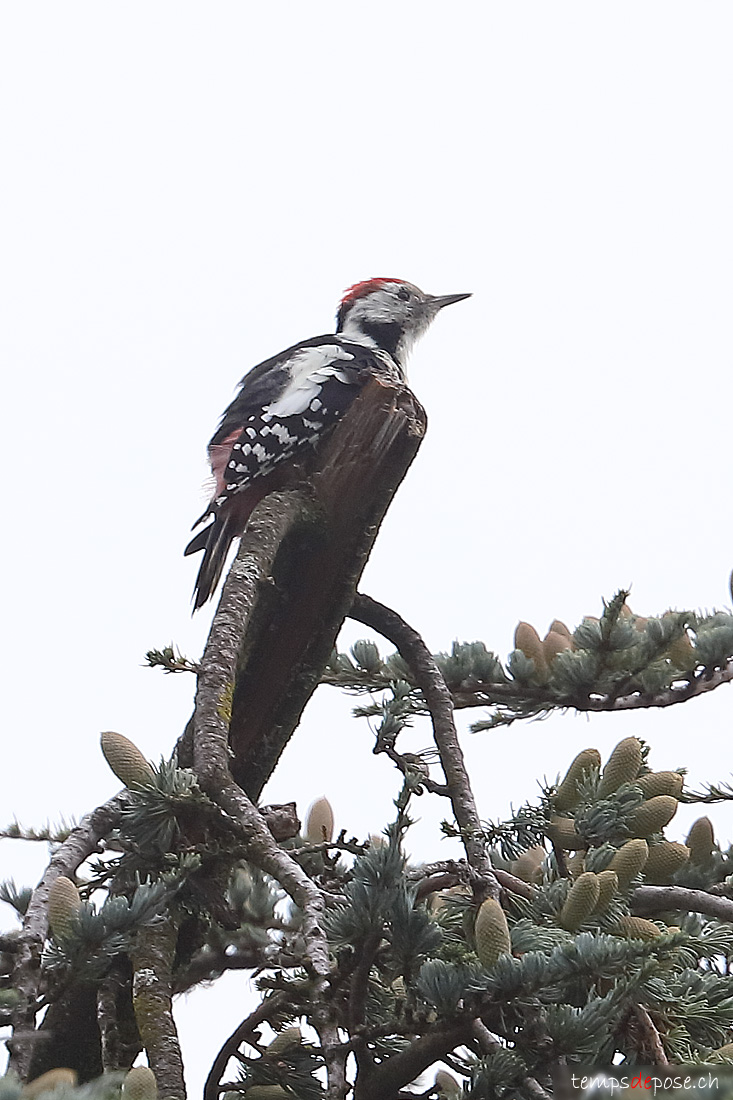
{"x": 389, "y": 1077}
{"x": 242, "y": 1032}
{"x": 429, "y": 679}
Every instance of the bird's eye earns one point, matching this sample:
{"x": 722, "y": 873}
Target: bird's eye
{"x": 404, "y": 294}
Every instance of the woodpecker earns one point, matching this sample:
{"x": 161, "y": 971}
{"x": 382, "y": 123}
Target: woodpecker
{"x": 286, "y": 404}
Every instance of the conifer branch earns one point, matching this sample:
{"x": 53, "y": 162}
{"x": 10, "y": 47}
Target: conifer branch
{"x": 244, "y": 1031}
{"x": 503, "y": 694}
{"x": 430, "y": 680}
{"x": 26, "y": 977}
{"x": 489, "y": 1045}
{"x": 392, "y": 1074}
{"x": 659, "y": 899}
{"x": 515, "y": 885}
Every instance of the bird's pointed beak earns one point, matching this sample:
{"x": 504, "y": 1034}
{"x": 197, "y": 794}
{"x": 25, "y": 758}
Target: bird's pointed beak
{"x": 438, "y": 301}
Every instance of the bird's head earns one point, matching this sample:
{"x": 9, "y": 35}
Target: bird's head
{"x": 389, "y": 313}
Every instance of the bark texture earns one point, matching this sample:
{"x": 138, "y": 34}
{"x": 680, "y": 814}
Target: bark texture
{"x": 305, "y": 584}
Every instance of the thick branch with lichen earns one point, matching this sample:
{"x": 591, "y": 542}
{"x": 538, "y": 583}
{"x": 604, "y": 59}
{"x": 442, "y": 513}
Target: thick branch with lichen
{"x": 152, "y": 998}
{"x": 211, "y": 764}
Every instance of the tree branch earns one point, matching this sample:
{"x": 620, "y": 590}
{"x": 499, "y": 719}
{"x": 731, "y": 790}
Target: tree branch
{"x": 152, "y": 998}
{"x": 657, "y": 899}
{"x": 211, "y": 764}
{"x": 651, "y": 1048}
{"x": 489, "y": 1045}
{"x": 80, "y": 843}
{"x": 389, "y": 1077}
{"x": 242, "y": 1032}
{"x": 438, "y": 699}
{"x": 313, "y": 567}
{"x": 496, "y": 694}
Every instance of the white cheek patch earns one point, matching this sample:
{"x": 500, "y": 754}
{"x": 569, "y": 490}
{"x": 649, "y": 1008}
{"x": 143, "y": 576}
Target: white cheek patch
{"x": 310, "y": 368}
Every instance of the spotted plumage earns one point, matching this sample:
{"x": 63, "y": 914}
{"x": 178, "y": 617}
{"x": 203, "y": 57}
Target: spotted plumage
{"x": 286, "y": 404}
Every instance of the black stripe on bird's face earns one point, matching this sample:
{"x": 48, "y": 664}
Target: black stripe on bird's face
{"x": 386, "y": 335}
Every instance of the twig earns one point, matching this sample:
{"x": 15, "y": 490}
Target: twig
{"x": 651, "y": 1046}
{"x": 489, "y": 1045}
{"x": 211, "y": 962}
{"x": 438, "y": 699}
{"x": 353, "y": 847}
{"x": 244, "y": 1030}
{"x": 80, "y": 843}
{"x": 655, "y": 899}
{"x": 433, "y": 883}
{"x": 406, "y": 766}
{"x": 515, "y": 885}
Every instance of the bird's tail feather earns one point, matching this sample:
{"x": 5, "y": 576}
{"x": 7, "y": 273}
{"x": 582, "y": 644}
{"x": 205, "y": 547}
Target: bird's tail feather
{"x": 215, "y": 541}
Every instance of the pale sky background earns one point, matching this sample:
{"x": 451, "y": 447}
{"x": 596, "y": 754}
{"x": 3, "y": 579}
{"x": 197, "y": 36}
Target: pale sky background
{"x": 187, "y": 188}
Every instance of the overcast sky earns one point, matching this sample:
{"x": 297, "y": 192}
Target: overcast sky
{"x": 187, "y": 189}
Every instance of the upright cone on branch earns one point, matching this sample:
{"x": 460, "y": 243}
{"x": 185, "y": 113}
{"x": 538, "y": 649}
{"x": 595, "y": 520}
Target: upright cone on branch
{"x": 654, "y": 815}
{"x": 528, "y": 640}
{"x": 527, "y": 865}
{"x": 576, "y": 863}
{"x": 654, "y": 783}
{"x": 581, "y": 901}
{"x": 563, "y": 834}
{"x": 725, "y": 1052}
{"x": 607, "y": 887}
{"x": 701, "y": 840}
{"x": 555, "y": 643}
{"x": 621, "y": 767}
{"x": 126, "y": 760}
{"x": 285, "y": 1040}
{"x": 140, "y": 1084}
{"x": 64, "y": 904}
{"x": 557, "y": 626}
{"x": 446, "y": 1085}
{"x": 566, "y": 796}
{"x": 628, "y": 861}
{"x": 319, "y": 822}
{"x": 637, "y": 928}
{"x": 682, "y": 653}
{"x": 491, "y": 932}
{"x": 664, "y": 861}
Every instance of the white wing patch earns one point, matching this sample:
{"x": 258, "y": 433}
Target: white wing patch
{"x": 309, "y": 369}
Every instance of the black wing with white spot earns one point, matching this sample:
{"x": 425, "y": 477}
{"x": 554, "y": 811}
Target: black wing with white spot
{"x": 285, "y": 404}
